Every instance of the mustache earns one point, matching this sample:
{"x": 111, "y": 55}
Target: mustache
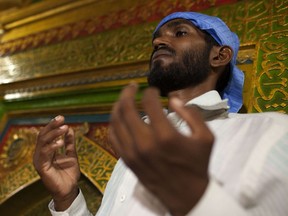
{"x": 163, "y": 47}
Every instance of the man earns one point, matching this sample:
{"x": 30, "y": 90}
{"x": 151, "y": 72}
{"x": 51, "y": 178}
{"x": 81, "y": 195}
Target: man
{"x": 196, "y": 159}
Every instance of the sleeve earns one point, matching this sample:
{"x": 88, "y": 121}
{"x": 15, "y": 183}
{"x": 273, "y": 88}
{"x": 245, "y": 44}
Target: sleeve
{"x": 78, "y": 207}
{"x": 217, "y": 202}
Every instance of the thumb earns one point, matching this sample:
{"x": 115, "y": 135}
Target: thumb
{"x": 70, "y": 147}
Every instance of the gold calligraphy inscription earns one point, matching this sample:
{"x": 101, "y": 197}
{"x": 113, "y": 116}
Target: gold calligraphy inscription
{"x": 17, "y": 179}
{"x": 136, "y": 14}
{"x": 95, "y": 163}
{"x": 17, "y": 170}
{"x": 100, "y": 136}
{"x": 271, "y": 93}
{"x": 104, "y": 49}
{"x": 246, "y": 61}
{"x": 263, "y": 23}
{"x": 253, "y": 21}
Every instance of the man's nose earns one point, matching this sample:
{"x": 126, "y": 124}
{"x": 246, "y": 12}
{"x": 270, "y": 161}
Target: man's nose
{"x": 160, "y": 42}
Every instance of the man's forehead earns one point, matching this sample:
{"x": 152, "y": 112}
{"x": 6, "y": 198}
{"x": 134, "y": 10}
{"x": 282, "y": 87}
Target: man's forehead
{"x": 176, "y": 22}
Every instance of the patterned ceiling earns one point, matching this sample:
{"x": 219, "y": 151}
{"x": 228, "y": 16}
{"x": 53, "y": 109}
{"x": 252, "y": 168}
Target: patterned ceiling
{"x": 15, "y": 4}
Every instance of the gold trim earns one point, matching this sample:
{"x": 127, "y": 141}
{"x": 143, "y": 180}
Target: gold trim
{"x": 101, "y": 77}
{"x": 47, "y": 13}
{"x": 20, "y": 166}
{"x": 12, "y": 16}
{"x": 15, "y": 96}
{"x": 32, "y": 22}
{"x": 102, "y": 108}
{"x": 99, "y": 179}
{"x": 248, "y": 52}
{"x": 12, "y": 193}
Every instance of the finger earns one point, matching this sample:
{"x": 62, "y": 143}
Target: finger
{"x": 124, "y": 149}
{"x": 129, "y": 114}
{"x": 114, "y": 142}
{"x": 118, "y": 133}
{"x": 51, "y": 131}
{"x": 54, "y": 148}
{"x": 43, "y": 157}
{"x": 70, "y": 148}
{"x": 51, "y": 136}
{"x": 192, "y": 116}
{"x": 64, "y": 162}
{"x": 54, "y": 123}
{"x": 153, "y": 108}
{"x": 47, "y": 145}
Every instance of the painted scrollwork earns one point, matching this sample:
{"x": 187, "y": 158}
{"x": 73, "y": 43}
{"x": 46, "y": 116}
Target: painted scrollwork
{"x": 272, "y": 78}
{"x": 17, "y": 170}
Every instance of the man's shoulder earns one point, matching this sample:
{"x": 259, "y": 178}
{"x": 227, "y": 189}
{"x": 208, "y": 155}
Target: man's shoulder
{"x": 275, "y": 117}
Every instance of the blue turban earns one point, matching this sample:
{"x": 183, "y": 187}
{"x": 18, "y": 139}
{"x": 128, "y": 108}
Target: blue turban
{"x": 224, "y": 36}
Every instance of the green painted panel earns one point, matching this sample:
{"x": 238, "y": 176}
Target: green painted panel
{"x": 90, "y": 97}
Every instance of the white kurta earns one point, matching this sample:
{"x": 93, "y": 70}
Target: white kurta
{"x": 248, "y": 169}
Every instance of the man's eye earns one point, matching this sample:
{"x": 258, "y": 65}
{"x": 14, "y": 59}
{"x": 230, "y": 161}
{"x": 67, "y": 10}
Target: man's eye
{"x": 180, "y": 33}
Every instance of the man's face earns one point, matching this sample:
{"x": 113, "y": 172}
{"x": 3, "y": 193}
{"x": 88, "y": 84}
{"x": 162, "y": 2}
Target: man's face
{"x": 180, "y": 58}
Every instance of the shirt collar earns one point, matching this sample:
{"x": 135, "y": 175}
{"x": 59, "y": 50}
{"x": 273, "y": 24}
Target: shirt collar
{"x": 210, "y": 103}
{"x": 211, "y": 106}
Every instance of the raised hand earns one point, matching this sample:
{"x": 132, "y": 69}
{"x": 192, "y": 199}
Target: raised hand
{"x": 172, "y": 166}
{"x": 58, "y": 170}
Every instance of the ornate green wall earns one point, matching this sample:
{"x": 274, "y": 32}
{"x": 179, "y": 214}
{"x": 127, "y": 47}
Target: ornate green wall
{"x": 75, "y": 63}
{"x": 93, "y": 55}
{"x": 84, "y": 59}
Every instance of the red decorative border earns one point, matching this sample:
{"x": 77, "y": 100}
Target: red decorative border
{"x": 141, "y": 14}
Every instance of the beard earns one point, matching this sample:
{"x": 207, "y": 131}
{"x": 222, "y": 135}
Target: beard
{"x": 193, "y": 70}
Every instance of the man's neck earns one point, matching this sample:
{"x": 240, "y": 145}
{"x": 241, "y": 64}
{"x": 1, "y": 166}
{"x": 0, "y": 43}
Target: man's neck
{"x": 188, "y": 94}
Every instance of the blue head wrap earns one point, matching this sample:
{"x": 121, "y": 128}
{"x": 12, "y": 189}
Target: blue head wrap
{"x": 224, "y": 36}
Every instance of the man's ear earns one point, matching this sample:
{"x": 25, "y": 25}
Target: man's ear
{"x": 220, "y": 56}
